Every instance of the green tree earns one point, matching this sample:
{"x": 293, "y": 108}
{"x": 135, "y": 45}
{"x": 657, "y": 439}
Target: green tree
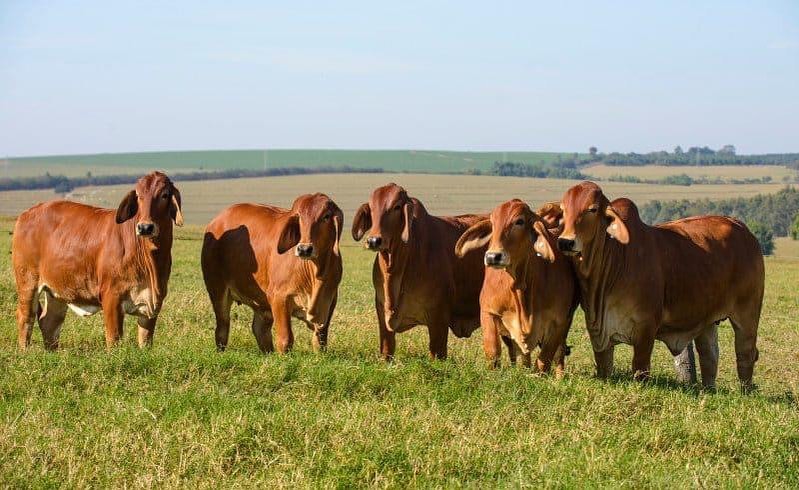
{"x": 795, "y": 227}
{"x": 593, "y": 151}
{"x": 764, "y": 236}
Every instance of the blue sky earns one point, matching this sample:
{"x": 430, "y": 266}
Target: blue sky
{"x": 98, "y": 76}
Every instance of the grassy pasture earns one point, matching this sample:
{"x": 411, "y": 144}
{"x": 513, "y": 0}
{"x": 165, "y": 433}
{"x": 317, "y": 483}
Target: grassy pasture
{"x": 442, "y": 194}
{"x": 776, "y": 172}
{"x": 182, "y": 415}
{"x": 390, "y": 160}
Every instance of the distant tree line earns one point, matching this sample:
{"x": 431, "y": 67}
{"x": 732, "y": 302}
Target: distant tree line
{"x": 767, "y": 215}
{"x": 62, "y": 184}
{"x": 561, "y": 170}
{"x": 685, "y": 179}
{"x": 697, "y": 156}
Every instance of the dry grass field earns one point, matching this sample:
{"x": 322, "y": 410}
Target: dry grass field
{"x": 776, "y": 172}
{"x": 442, "y": 194}
{"x": 182, "y": 415}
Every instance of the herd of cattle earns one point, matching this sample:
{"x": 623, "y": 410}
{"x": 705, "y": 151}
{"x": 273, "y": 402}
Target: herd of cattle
{"x": 517, "y": 273}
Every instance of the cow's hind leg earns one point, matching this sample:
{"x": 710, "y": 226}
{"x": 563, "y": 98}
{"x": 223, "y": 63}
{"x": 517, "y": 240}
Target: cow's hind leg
{"x": 221, "y": 303}
{"x": 27, "y": 307}
{"x": 707, "y": 345}
{"x": 50, "y": 321}
{"x": 262, "y": 329}
{"x": 745, "y": 326}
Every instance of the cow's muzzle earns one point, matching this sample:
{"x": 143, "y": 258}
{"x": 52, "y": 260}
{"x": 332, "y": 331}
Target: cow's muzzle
{"x": 146, "y": 229}
{"x": 497, "y": 260}
{"x": 304, "y": 250}
{"x": 374, "y": 243}
{"x": 566, "y": 245}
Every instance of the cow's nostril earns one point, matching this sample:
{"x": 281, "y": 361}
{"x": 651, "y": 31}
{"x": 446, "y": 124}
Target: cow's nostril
{"x": 374, "y": 242}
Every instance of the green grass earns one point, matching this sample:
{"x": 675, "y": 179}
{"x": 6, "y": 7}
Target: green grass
{"x": 181, "y": 414}
{"x": 433, "y": 161}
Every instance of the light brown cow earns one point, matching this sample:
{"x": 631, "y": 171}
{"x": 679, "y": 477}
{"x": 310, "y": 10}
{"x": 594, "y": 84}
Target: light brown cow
{"x": 529, "y": 293}
{"x": 245, "y": 259}
{"x": 418, "y": 280}
{"x": 91, "y": 259}
{"x": 673, "y": 282}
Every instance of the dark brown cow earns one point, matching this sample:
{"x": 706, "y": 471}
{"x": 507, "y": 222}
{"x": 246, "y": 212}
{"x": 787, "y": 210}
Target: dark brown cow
{"x": 91, "y": 259}
{"x": 418, "y": 280}
{"x": 529, "y": 292}
{"x": 244, "y": 259}
{"x": 673, "y": 282}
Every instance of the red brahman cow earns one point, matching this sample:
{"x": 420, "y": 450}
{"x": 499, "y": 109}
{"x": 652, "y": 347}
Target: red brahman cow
{"x": 673, "y": 282}
{"x": 529, "y": 292}
{"x": 418, "y": 280}
{"x": 91, "y": 259}
{"x": 244, "y": 259}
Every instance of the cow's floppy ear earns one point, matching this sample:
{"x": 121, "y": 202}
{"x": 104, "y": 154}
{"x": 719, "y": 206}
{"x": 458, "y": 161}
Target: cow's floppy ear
{"x": 475, "y": 237}
{"x": 407, "y": 212}
{"x": 175, "y": 210}
{"x": 542, "y": 246}
{"x": 617, "y": 229}
{"x": 338, "y": 222}
{"x": 128, "y": 207}
{"x": 289, "y": 235}
{"x": 362, "y": 221}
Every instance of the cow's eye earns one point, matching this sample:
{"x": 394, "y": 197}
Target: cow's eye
{"x": 593, "y": 209}
{"x": 165, "y": 195}
{"x": 326, "y": 217}
{"x": 397, "y": 207}
{"x": 519, "y": 222}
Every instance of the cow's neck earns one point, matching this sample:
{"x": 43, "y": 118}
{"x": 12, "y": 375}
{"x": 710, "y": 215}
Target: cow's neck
{"x": 523, "y": 272}
{"x": 393, "y": 265}
{"x": 323, "y": 274}
{"x": 149, "y": 258}
{"x": 598, "y": 271}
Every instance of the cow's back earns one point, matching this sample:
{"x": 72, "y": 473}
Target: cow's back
{"x": 61, "y": 244}
{"x": 709, "y": 264}
{"x": 468, "y": 272}
{"x": 238, "y": 248}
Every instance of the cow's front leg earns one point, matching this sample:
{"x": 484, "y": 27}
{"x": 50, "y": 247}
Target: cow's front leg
{"x": 642, "y": 356}
{"x": 604, "y": 362}
{"x": 146, "y": 331}
{"x": 707, "y": 345}
{"x": 491, "y": 344}
{"x": 319, "y": 339}
{"x": 282, "y": 315}
{"x": 439, "y": 333}
{"x": 388, "y": 341}
{"x": 113, "y": 317}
